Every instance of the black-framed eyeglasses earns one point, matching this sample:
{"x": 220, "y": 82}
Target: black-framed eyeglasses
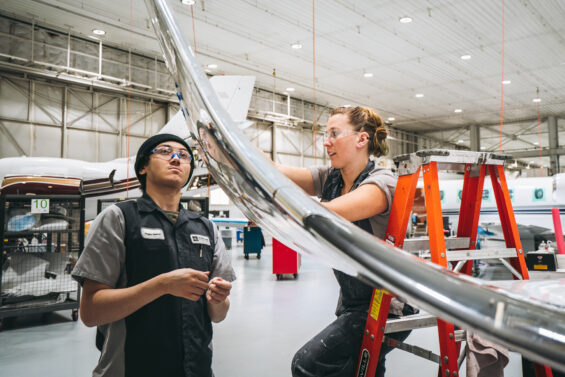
{"x": 166, "y": 153}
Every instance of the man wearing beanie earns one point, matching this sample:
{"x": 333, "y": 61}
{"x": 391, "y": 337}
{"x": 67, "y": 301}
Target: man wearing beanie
{"x": 155, "y": 275}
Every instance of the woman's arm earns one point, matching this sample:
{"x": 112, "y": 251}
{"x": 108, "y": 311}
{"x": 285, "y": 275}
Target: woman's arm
{"x": 365, "y": 201}
{"x": 301, "y": 176}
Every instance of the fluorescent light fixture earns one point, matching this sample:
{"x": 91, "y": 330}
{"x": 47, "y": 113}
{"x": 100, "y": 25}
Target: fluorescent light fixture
{"x": 506, "y": 82}
{"x": 419, "y": 95}
{"x": 483, "y": 148}
{"x": 465, "y": 57}
{"x": 536, "y": 143}
{"x": 536, "y": 100}
{"x": 405, "y": 20}
{"x": 98, "y": 32}
{"x": 296, "y": 46}
{"x": 459, "y": 141}
{"x": 390, "y": 119}
{"x": 458, "y": 111}
{"x": 188, "y": 2}
{"x": 367, "y": 74}
{"x": 290, "y": 89}
{"x": 212, "y": 66}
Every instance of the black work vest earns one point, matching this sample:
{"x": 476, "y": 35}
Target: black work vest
{"x": 170, "y": 336}
{"x": 354, "y": 295}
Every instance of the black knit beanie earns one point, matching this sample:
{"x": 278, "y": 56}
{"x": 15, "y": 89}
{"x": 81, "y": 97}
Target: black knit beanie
{"x": 148, "y": 145}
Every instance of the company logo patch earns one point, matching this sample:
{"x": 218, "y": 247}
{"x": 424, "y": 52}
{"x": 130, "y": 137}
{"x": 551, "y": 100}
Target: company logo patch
{"x": 200, "y": 239}
{"x": 152, "y": 233}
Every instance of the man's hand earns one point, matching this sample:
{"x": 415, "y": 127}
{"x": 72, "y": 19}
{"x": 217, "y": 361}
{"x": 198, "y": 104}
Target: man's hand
{"x": 187, "y": 283}
{"x": 218, "y": 290}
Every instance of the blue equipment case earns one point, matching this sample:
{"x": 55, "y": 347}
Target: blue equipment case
{"x": 252, "y": 241}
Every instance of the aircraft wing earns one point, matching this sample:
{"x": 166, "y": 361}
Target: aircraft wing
{"x": 266, "y": 196}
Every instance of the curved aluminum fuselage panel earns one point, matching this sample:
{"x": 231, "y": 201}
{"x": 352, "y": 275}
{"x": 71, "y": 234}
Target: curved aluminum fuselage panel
{"x": 535, "y": 329}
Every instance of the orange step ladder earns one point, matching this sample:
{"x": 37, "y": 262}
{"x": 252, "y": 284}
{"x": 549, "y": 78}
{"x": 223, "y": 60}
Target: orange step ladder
{"x": 476, "y": 166}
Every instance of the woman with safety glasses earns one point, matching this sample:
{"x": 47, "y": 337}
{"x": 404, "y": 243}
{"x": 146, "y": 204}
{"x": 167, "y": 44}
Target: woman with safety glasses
{"x": 360, "y": 191}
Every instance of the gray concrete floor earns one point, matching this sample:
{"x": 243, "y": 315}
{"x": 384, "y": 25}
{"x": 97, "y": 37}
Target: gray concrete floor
{"x": 268, "y": 321}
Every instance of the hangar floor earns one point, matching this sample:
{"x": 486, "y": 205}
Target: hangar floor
{"x": 268, "y": 321}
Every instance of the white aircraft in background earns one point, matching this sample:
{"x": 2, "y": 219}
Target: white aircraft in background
{"x": 532, "y": 200}
{"x": 116, "y": 178}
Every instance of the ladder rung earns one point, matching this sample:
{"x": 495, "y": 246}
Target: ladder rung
{"x": 423, "y": 243}
{"x": 410, "y": 322}
{"x": 417, "y": 321}
{"x": 490, "y": 253}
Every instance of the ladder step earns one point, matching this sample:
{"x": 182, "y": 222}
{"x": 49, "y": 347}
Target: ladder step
{"x": 459, "y": 255}
{"x": 490, "y": 253}
{"x": 410, "y": 322}
{"x": 423, "y": 243}
{"x": 417, "y": 321}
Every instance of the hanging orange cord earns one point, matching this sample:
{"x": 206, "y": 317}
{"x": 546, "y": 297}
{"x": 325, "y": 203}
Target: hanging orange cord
{"x": 314, "y": 74}
{"x": 539, "y": 136}
{"x": 193, "y": 28}
{"x": 129, "y": 100}
{"x": 502, "y": 86}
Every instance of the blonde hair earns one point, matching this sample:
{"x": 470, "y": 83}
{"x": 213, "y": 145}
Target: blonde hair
{"x": 365, "y": 119}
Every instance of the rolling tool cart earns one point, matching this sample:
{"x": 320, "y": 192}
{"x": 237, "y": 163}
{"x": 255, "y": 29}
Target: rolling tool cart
{"x": 41, "y": 237}
{"x": 285, "y": 260}
{"x": 253, "y": 241}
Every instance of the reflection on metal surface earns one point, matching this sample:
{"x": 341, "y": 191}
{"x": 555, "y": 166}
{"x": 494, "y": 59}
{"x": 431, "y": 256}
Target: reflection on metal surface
{"x": 267, "y": 197}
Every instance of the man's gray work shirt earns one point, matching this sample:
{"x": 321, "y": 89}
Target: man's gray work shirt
{"x": 103, "y": 261}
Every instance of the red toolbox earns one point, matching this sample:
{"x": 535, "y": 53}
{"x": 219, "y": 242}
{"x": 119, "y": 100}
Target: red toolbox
{"x": 285, "y": 260}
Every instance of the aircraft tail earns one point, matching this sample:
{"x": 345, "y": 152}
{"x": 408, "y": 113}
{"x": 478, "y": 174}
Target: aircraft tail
{"x": 234, "y": 93}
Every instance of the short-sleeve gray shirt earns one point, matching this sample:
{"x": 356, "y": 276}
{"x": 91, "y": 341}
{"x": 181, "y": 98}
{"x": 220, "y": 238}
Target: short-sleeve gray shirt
{"x": 384, "y": 178}
{"x": 103, "y": 261}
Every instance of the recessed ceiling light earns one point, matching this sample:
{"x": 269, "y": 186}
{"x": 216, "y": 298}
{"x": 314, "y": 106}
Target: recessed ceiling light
{"x": 458, "y": 111}
{"x": 465, "y": 57}
{"x": 506, "y": 82}
{"x": 536, "y": 143}
{"x": 188, "y": 2}
{"x": 419, "y": 95}
{"x": 405, "y": 20}
{"x": 459, "y": 141}
{"x": 536, "y": 100}
{"x": 290, "y": 89}
{"x": 296, "y": 46}
{"x": 390, "y": 119}
{"x": 98, "y": 32}
{"x": 368, "y": 74}
{"x": 212, "y": 66}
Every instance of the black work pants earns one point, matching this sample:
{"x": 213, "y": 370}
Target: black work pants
{"x": 334, "y": 352}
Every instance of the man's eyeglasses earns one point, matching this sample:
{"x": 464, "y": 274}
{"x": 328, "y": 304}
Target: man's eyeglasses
{"x": 167, "y": 153}
{"x": 335, "y": 133}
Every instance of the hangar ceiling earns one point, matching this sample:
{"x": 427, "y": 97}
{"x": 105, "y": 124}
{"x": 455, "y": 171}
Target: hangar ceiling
{"x": 354, "y": 38}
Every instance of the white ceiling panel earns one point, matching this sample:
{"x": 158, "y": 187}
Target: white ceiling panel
{"x": 354, "y": 37}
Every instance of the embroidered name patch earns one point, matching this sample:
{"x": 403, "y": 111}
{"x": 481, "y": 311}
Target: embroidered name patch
{"x": 152, "y": 233}
{"x": 199, "y": 239}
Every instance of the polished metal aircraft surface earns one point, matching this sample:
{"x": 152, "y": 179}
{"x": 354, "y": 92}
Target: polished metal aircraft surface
{"x": 535, "y": 329}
